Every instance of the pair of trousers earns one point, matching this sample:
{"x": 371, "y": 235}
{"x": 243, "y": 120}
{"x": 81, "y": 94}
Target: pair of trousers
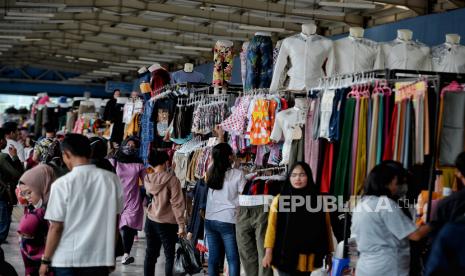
{"x": 158, "y": 234}
{"x": 81, "y": 271}
{"x": 259, "y": 63}
{"x": 250, "y": 232}
{"x": 5, "y": 220}
{"x": 223, "y": 63}
{"x": 218, "y": 234}
{"x": 128, "y": 234}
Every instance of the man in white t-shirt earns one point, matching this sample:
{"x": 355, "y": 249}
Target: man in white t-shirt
{"x": 11, "y": 134}
{"x": 83, "y": 209}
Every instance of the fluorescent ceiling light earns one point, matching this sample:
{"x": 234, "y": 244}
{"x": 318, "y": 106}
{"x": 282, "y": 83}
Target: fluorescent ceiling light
{"x": 204, "y": 49}
{"x": 60, "y": 21}
{"x": 25, "y": 18}
{"x": 347, "y": 5}
{"x": 185, "y": 52}
{"x": 88, "y": 59}
{"x": 33, "y": 14}
{"x": 318, "y": 12}
{"x": 403, "y": 7}
{"x": 79, "y": 9}
{"x": 148, "y": 59}
{"x": 289, "y": 19}
{"x": 31, "y": 39}
{"x": 16, "y": 31}
{"x": 69, "y": 57}
{"x": 12, "y": 37}
{"x": 231, "y": 38}
{"x": 41, "y": 4}
{"x": 237, "y": 31}
{"x": 264, "y": 29}
{"x": 139, "y": 62}
{"x": 122, "y": 67}
{"x": 167, "y": 56}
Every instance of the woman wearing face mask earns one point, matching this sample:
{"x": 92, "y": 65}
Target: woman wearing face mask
{"x": 297, "y": 237}
{"x": 380, "y": 228}
{"x": 34, "y": 187}
{"x": 131, "y": 171}
{"x": 225, "y": 184}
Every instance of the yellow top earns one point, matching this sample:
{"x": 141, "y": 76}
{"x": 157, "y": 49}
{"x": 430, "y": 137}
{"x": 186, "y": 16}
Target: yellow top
{"x": 305, "y": 262}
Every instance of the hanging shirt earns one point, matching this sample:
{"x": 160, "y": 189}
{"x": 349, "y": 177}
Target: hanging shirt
{"x": 182, "y": 76}
{"x": 357, "y": 55}
{"x": 307, "y": 55}
{"x": 409, "y": 55}
{"x": 449, "y": 58}
{"x": 287, "y": 124}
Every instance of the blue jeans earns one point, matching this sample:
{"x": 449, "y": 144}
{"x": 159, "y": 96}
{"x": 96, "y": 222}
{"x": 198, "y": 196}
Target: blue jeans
{"x": 259, "y": 63}
{"x": 218, "y": 234}
{"x": 5, "y": 220}
{"x": 81, "y": 271}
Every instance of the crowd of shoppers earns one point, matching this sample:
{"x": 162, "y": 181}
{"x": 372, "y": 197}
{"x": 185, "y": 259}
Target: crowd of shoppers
{"x": 79, "y": 200}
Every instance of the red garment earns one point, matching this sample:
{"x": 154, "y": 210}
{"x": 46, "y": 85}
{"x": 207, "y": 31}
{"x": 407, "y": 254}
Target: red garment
{"x": 390, "y": 141}
{"x": 160, "y": 78}
{"x": 327, "y": 168}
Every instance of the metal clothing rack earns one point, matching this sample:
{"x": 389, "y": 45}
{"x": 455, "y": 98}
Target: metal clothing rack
{"x": 438, "y": 81}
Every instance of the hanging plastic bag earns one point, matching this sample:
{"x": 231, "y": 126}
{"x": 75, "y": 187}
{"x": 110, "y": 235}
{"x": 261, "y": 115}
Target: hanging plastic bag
{"x": 187, "y": 260}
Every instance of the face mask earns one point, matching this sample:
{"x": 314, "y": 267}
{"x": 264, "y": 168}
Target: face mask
{"x": 129, "y": 150}
{"x": 38, "y": 205}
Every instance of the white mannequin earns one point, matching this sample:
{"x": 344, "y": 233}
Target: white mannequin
{"x": 154, "y": 67}
{"x": 311, "y": 57}
{"x": 356, "y": 32}
{"x": 309, "y": 29}
{"x": 450, "y": 56}
{"x": 263, "y": 33}
{"x": 405, "y": 53}
{"x": 188, "y": 67}
{"x": 404, "y": 34}
{"x": 453, "y": 39}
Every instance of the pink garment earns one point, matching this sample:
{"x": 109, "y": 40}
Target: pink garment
{"x": 235, "y": 123}
{"x": 43, "y": 100}
{"x": 33, "y": 225}
{"x": 133, "y": 211}
{"x": 79, "y": 126}
{"x": 311, "y": 146}
{"x": 354, "y": 146}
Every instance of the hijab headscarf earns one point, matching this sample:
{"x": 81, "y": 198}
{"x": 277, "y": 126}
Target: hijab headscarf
{"x": 126, "y": 154}
{"x": 39, "y": 179}
{"x": 302, "y": 231}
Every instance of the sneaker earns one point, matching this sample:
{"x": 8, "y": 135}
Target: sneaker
{"x": 127, "y": 260}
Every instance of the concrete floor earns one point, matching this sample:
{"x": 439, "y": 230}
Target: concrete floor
{"x": 13, "y": 256}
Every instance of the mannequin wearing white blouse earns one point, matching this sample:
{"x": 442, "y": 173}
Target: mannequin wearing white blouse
{"x": 288, "y": 124}
{"x": 357, "y": 54}
{"x": 450, "y": 56}
{"x": 404, "y": 53}
{"x": 307, "y": 52}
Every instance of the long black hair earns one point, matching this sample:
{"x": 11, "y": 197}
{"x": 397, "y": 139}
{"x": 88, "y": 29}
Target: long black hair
{"x": 311, "y": 187}
{"x": 381, "y": 176}
{"x": 221, "y": 163}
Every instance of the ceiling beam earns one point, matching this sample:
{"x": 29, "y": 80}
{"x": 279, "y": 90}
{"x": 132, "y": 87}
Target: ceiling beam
{"x": 458, "y": 3}
{"x": 418, "y": 6}
{"x": 350, "y": 19}
{"x": 183, "y": 11}
{"x": 140, "y": 21}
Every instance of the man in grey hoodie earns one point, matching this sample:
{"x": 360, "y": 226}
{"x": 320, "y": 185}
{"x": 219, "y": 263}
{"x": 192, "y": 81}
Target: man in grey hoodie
{"x": 165, "y": 214}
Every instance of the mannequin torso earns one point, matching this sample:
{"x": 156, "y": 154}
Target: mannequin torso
{"x": 449, "y": 56}
{"x": 188, "y": 67}
{"x": 404, "y": 53}
{"x": 263, "y": 33}
{"x": 356, "y": 54}
{"x": 307, "y": 52}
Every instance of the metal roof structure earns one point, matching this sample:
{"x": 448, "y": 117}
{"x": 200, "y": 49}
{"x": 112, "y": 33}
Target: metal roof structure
{"x": 108, "y": 39}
